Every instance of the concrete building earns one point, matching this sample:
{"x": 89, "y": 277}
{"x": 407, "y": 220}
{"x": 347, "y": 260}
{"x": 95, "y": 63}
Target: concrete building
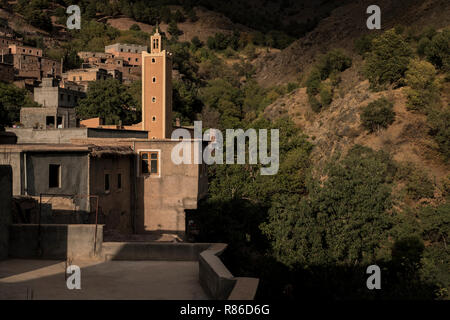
{"x": 58, "y": 107}
{"x": 72, "y": 181}
{"x": 131, "y": 53}
{"x": 82, "y": 77}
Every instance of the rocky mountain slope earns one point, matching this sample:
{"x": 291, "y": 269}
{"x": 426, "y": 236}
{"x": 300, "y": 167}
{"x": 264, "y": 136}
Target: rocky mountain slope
{"x": 345, "y": 24}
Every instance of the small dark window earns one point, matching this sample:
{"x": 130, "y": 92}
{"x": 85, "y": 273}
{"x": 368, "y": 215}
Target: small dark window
{"x": 154, "y": 79}
{"x": 54, "y": 176}
{"x": 119, "y": 181}
{"x": 107, "y": 187}
{"x": 153, "y": 60}
{"x": 50, "y": 121}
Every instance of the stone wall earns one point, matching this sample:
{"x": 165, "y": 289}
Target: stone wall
{"x": 5, "y": 208}
{"x": 55, "y": 241}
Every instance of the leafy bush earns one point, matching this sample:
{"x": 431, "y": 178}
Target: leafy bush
{"x": 388, "y": 60}
{"x": 377, "y": 114}
{"x": 12, "y": 99}
{"x": 342, "y": 220}
{"x": 333, "y": 62}
{"x": 424, "y": 87}
{"x": 439, "y": 120}
{"x": 110, "y": 100}
{"x": 363, "y": 44}
{"x": 135, "y": 27}
{"x": 329, "y": 66}
{"x": 438, "y": 50}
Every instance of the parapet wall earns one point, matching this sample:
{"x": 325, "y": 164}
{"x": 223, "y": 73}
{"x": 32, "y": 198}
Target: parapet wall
{"x": 5, "y": 208}
{"x": 153, "y": 251}
{"x": 55, "y": 241}
{"x": 218, "y": 281}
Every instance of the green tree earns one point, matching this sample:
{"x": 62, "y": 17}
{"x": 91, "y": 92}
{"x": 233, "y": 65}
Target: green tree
{"x": 377, "y": 114}
{"x": 110, "y": 100}
{"x": 135, "y": 27}
{"x": 438, "y": 120}
{"x": 388, "y": 60}
{"x": 173, "y": 30}
{"x": 423, "y": 90}
{"x": 12, "y": 99}
{"x": 342, "y": 221}
{"x": 438, "y": 50}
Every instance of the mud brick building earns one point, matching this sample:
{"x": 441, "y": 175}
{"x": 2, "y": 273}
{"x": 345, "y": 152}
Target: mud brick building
{"x": 82, "y": 77}
{"x": 29, "y": 63}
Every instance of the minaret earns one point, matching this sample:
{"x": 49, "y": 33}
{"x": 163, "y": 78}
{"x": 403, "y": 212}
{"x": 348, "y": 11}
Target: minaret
{"x": 157, "y": 90}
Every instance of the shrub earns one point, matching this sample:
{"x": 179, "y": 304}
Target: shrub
{"x": 315, "y": 104}
{"x": 419, "y": 185}
{"x": 313, "y": 82}
{"x": 378, "y": 114}
{"x": 291, "y": 86}
{"x": 326, "y": 95}
{"x": 438, "y": 50}
{"x": 439, "y": 120}
{"x": 424, "y": 88}
{"x": 135, "y": 27}
{"x": 334, "y": 61}
{"x": 388, "y": 60}
{"x": 363, "y": 44}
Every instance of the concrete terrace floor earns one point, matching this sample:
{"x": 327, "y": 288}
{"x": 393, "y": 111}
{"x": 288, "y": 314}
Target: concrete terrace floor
{"x": 122, "y": 280}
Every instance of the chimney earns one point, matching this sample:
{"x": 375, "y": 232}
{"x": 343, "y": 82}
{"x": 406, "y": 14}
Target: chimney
{"x": 177, "y": 122}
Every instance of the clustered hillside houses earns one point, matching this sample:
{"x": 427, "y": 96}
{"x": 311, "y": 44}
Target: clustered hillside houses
{"x": 71, "y": 171}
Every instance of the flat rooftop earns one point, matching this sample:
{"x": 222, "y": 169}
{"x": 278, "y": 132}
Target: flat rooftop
{"x": 22, "y": 279}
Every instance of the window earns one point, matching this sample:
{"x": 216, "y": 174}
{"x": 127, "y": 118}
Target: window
{"x": 62, "y": 96}
{"x": 50, "y": 121}
{"x": 59, "y": 121}
{"x": 137, "y": 59}
{"x": 153, "y": 60}
{"x": 107, "y": 187}
{"x": 154, "y": 79}
{"x": 153, "y": 118}
{"x": 119, "y": 181}
{"x": 54, "y": 176}
{"x": 149, "y": 162}
{"x": 153, "y": 99}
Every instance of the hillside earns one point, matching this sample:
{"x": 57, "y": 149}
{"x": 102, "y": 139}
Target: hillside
{"x": 345, "y": 24}
{"x": 208, "y": 24}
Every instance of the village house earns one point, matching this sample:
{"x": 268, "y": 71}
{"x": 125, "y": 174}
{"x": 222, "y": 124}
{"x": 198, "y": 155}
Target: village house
{"x": 58, "y": 106}
{"x": 84, "y": 76}
{"x": 29, "y": 63}
{"x": 123, "y": 58}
